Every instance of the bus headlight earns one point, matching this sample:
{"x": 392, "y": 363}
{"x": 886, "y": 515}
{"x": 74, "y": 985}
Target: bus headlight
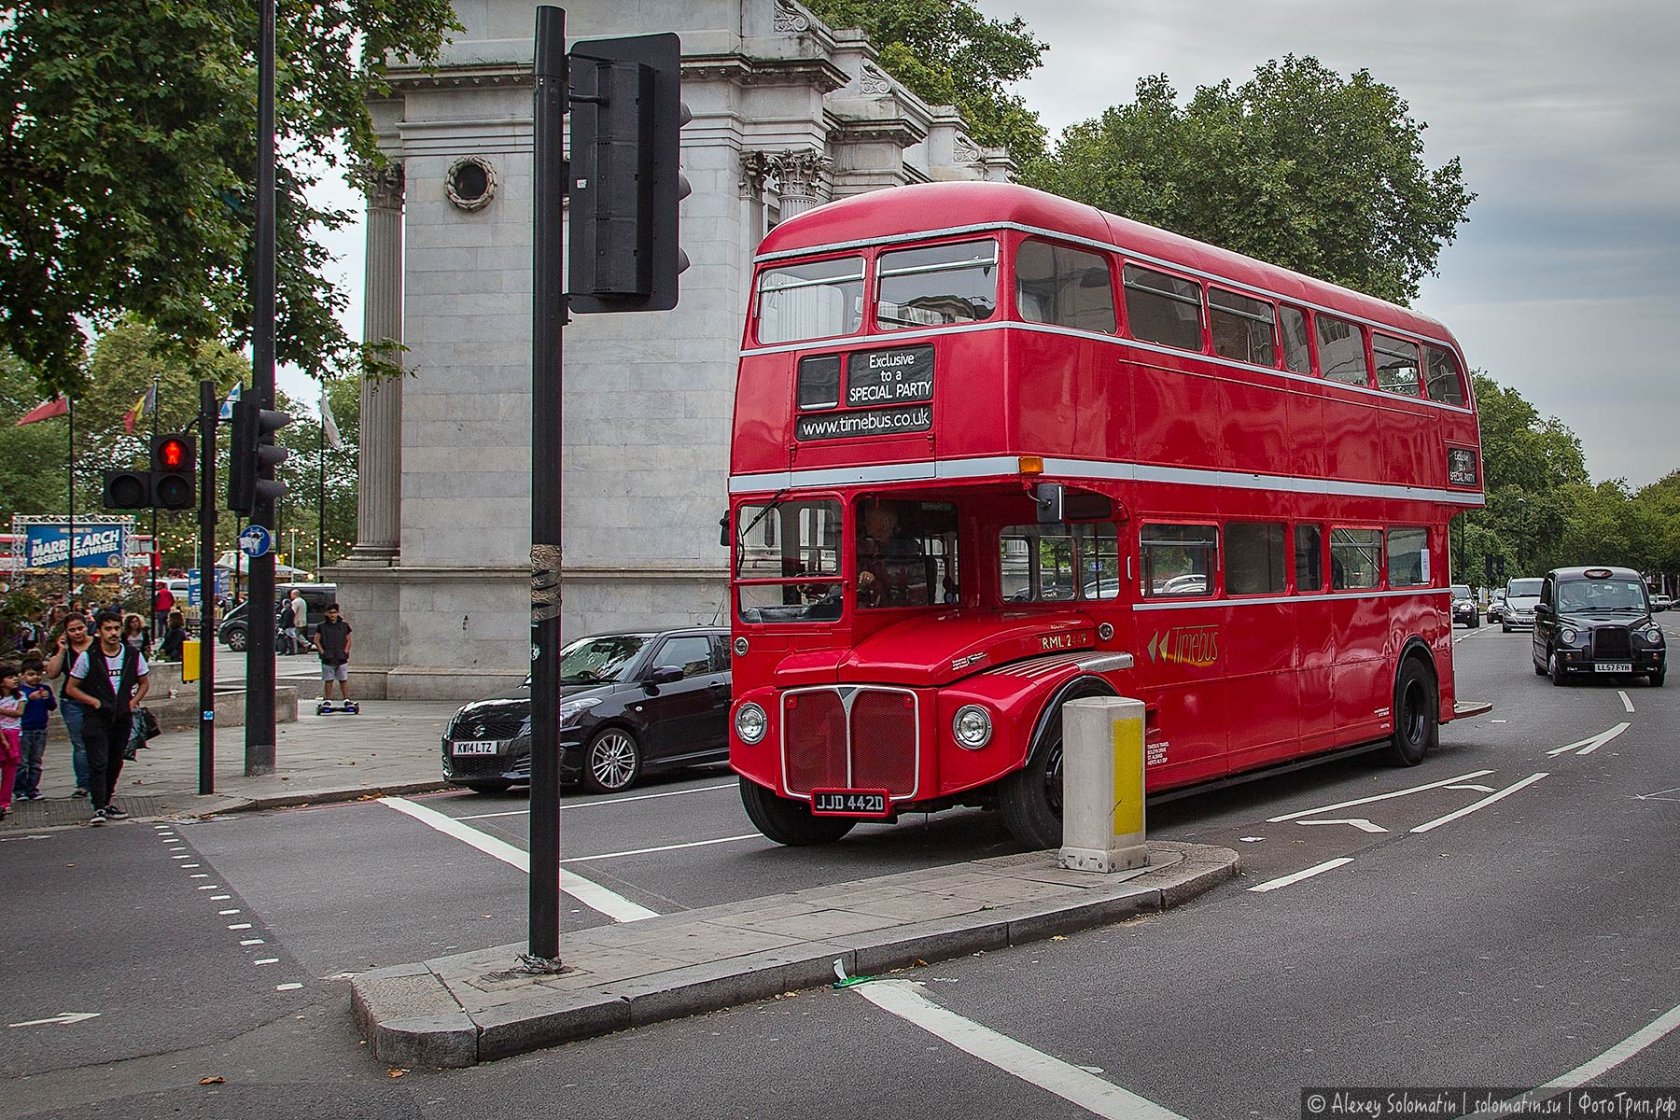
{"x": 972, "y": 727}
{"x": 750, "y": 723}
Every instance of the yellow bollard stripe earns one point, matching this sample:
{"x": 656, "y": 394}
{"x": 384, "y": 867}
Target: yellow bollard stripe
{"x": 1128, "y": 777}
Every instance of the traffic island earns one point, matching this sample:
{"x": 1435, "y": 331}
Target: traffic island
{"x": 473, "y": 1007}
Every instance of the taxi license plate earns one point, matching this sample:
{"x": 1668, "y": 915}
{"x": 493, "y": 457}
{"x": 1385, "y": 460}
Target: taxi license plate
{"x": 476, "y": 746}
{"x": 849, "y": 803}
{"x": 1613, "y": 667}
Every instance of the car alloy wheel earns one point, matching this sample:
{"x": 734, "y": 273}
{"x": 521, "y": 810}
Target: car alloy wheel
{"x": 612, "y": 762}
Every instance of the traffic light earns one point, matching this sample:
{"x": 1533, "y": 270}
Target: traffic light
{"x": 174, "y": 477}
{"x": 128, "y": 489}
{"x": 626, "y": 174}
{"x": 254, "y": 456}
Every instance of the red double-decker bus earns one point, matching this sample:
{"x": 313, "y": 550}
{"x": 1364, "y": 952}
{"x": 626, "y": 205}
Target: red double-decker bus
{"x": 994, "y": 450}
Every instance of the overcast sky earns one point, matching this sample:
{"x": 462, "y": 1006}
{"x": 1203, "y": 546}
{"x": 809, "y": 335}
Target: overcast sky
{"x": 1566, "y": 276}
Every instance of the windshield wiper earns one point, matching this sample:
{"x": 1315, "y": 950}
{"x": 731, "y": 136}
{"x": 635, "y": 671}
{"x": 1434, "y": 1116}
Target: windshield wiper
{"x": 776, "y": 499}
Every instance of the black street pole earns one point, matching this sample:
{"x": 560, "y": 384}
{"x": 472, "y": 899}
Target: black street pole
{"x": 320, "y": 485}
{"x": 548, "y": 319}
{"x": 209, "y": 412}
{"x": 157, "y": 551}
{"x": 259, "y": 647}
{"x": 70, "y": 525}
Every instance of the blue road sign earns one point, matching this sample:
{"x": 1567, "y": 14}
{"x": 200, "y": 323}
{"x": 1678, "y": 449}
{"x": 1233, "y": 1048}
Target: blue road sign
{"x": 256, "y": 541}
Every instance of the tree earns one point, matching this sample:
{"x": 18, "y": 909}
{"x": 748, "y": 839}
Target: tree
{"x": 948, "y": 53}
{"x": 1297, "y": 166}
{"x": 129, "y": 149}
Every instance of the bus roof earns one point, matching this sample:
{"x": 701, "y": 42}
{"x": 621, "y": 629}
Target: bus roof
{"x": 932, "y": 208}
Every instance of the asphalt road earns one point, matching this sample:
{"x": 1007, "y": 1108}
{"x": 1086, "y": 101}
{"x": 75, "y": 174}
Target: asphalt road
{"x": 1501, "y": 915}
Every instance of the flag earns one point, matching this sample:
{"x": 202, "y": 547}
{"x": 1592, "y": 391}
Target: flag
{"x": 329, "y": 422}
{"x": 227, "y": 405}
{"x": 146, "y": 404}
{"x": 46, "y": 410}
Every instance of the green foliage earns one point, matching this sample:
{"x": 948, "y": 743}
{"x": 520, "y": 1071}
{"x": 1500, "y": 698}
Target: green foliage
{"x": 1297, "y": 166}
{"x": 948, "y": 53}
{"x": 129, "y": 147}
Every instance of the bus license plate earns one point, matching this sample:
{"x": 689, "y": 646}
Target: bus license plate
{"x": 1613, "y": 667}
{"x": 476, "y": 746}
{"x": 849, "y": 802}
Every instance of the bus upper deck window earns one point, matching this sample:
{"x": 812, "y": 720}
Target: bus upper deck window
{"x": 1242, "y": 327}
{"x": 1067, "y": 287}
{"x": 938, "y": 285}
{"x": 1397, "y": 365}
{"x": 1296, "y": 356}
{"x": 1341, "y": 351}
{"x": 1444, "y": 381}
{"x": 1162, "y": 308}
{"x": 811, "y": 299}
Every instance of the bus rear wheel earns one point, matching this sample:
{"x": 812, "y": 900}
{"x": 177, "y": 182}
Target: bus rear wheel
{"x": 789, "y": 822}
{"x": 1031, "y": 798}
{"x": 1417, "y": 706}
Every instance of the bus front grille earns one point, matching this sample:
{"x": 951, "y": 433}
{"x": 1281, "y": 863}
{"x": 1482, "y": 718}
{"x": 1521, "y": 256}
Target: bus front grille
{"x": 851, "y": 738}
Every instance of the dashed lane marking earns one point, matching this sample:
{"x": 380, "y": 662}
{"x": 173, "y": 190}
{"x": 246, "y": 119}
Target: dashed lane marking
{"x": 1288, "y": 880}
{"x": 1482, "y": 804}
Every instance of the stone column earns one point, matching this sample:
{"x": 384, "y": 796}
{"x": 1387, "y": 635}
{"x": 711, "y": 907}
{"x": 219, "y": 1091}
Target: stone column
{"x": 797, "y": 173}
{"x": 379, "y": 471}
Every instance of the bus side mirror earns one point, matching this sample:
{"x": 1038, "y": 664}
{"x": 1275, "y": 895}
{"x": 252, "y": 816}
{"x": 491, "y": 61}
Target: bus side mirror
{"x": 723, "y": 531}
{"x": 1048, "y": 497}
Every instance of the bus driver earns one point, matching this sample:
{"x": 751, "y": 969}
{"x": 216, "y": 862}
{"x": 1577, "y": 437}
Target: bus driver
{"x": 883, "y": 577}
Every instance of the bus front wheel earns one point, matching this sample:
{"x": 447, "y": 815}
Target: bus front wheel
{"x": 789, "y": 822}
{"x": 1031, "y": 798}
{"x": 1417, "y": 727}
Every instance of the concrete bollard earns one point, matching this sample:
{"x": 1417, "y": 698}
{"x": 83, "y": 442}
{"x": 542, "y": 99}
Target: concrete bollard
{"x": 1102, "y": 785}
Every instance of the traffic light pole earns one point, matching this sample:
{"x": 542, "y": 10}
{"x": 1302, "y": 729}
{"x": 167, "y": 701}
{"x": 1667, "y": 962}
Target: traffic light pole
{"x": 548, "y": 321}
{"x": 259, "y": 649}
{"x": 208, "y": 414}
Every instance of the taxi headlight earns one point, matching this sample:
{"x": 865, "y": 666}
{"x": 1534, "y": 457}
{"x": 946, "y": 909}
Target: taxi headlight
{"x": 972, "y": 727}
{"x": 1654, "y": 635}
{"x": 750, "y": 723}
{"x": 1567, "y": 636}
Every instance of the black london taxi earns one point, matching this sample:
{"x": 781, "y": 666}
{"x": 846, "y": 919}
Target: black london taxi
{"x": 1596, "y": 621}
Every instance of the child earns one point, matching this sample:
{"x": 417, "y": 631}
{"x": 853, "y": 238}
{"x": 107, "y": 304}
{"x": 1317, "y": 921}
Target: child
{"x": 11, "y": 709}
{"x": 332, "y": 639}
{"x": 33, "y": 732}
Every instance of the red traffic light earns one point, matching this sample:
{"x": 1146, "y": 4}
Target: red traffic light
{"x": 171, "y": 453}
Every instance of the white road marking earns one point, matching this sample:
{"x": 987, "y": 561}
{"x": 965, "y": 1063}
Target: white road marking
{"x": 220, "y": 897}
{"x": 287, "y": 987}
{"x": 1474, "y": 786}
{"x": 905, "y": 999}
{"x": 664, "y": 848}
{"x": 1317, "y": 869}
{"x": 62, "y": 1019}
{"x": 1482, "y": 804}
{"x": 591, "y": 894}
{"x": 240, "y": 925}
{"x": 1627, "y": 701}
{"x": 267, "y": 960}
{"x": 1596, "y": 1068}
{"x": 1591, "y": 743}
{"x": 1360, "y": 823}
{"x": 252, "y": 941}
{"x": 1658, "y": 796}
{"x": 1378, "y": 797}
{"x": 609, "y": 801}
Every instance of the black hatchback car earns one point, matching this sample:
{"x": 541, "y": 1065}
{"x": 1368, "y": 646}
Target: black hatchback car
{"x": 1596, "y": 620}
{"x": 633, "y": 703}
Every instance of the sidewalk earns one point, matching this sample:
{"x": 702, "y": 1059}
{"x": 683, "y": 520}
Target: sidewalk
{"x": 391, "y": 747}
{"x": 477, "y": 1007}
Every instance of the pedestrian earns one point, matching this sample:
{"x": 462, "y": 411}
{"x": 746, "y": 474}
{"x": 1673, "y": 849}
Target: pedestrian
{"x": 11, "y": 712}
{"x": 136, "y": 635}
{"x": 332, "y": 639}
{"x": 73, "y": 641}
{"x": 162, "y": 605}
{"x": 109, "y": 681}
{"x": 169, "y": 646}
{"x": 297, "y": 623}
{"x": 32, "y": 733}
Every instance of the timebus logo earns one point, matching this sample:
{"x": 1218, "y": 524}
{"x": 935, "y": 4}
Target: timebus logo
{"x": 1185, "y": 645}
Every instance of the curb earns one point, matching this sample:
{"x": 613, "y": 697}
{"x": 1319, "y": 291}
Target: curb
{"x": 410, "y": 1017}
{"x": 239, "y": 804}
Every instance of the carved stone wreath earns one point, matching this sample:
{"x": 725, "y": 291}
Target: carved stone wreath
{"x": 471, "y": 183}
